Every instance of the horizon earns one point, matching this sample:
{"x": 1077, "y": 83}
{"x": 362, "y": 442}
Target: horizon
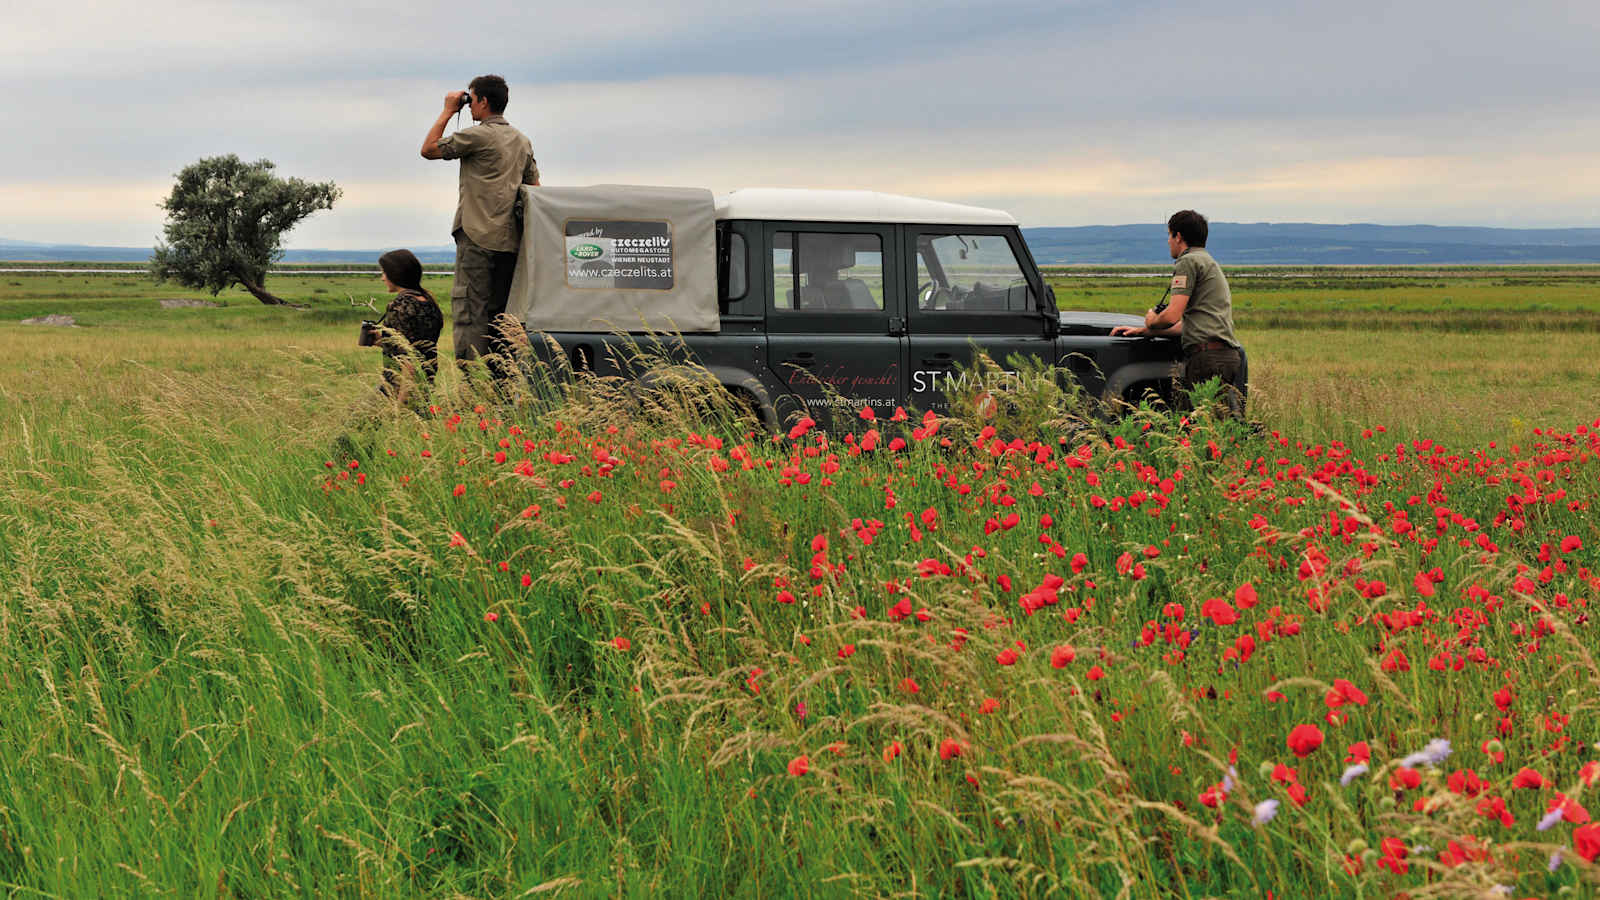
{"x": 9, "y": 241}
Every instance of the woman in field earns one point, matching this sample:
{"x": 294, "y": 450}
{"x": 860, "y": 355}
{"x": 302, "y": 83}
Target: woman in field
{"x": 413, "y": 322}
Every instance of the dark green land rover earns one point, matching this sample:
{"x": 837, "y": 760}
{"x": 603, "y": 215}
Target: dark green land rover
{"x": 807, "y": 302}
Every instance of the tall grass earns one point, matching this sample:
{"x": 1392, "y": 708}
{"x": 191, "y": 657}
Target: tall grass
{"x": 237, "y": 664}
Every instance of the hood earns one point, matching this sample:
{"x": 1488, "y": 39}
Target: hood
{"x": 1074, "y": 322}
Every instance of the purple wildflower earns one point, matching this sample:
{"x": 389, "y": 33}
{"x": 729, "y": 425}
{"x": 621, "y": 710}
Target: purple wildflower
{"x": 1436, "y": 751}
{"x": 1266, "y": 810}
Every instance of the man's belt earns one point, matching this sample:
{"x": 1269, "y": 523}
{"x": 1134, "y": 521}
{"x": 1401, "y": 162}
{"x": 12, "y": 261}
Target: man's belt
{"x": 1207, "y": 345}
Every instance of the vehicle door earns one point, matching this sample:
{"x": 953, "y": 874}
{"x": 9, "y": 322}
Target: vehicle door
{"x": 835, "y": 319}
{"x": 975, "y": 290}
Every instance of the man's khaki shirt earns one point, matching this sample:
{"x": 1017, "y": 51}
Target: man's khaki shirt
{"x": 1209, "y": 315}
{"x": 496, "y": 160}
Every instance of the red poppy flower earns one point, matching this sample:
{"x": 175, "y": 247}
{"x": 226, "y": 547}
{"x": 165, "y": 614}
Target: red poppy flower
{"x": 1344, "y": 692}
{"x": 1245, "y": 596}
{"x": 1061, "y": 656}
{"x": 909, "y": 685}
{"x": 1586, "y": 841}
{"x": 799, "y": 765}
{"x": 1572, "y": 811}
{"x": 1096, "y": 673}
{"x": 622, "y": 643}
{"x": 847, "y": 651}
{"x": 1006, "y": 657}
{"x": 894, "y": 749}
{"x": 1405, "y": 778}
{"x": 1590, "y": 773}
{"x": 1297, "y": 793}
{"x": 1358, "y": 752}
{"x": 950, "y": 749}
{"x": 1394, "y": 856}
{"x": 1527, "y": 778}
{"x": 1303, "y": 739}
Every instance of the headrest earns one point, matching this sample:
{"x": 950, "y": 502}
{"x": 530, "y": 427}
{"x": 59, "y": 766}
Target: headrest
{"x": 830, "y": 257}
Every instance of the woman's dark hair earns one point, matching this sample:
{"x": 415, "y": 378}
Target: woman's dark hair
{"x": 493, "y": 89}
{"x": 1189, "y": 225}
{"x": 403, "y": 269}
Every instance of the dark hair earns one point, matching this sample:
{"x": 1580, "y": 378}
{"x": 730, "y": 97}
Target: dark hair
{"x": 403, "y": 269}
{"x": 1189, "y": 225}
{"x": 493, "y": 89}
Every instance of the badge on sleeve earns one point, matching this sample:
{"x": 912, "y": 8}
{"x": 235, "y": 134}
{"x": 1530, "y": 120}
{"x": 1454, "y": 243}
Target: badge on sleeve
{"x": 1180, "y": 282}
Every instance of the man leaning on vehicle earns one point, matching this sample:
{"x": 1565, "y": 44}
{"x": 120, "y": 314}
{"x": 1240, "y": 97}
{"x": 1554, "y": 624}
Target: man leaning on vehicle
{"x": 1200, "y": 312}
{"x": 496, "y": 160}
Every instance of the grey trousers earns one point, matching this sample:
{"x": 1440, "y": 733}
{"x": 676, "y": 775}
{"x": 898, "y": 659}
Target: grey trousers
{"x": 482, "y": 286}
{"x": 1207, "y": 364}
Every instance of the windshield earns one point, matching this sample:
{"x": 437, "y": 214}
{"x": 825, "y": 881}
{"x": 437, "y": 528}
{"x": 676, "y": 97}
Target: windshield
{"x": 970, "y": 272}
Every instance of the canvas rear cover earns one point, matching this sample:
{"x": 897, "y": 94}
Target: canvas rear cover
{"x": 617, "y": 258}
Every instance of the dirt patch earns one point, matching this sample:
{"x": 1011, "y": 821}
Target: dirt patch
{"x": 187, "y": 303}
{"x": 55, "y": 319}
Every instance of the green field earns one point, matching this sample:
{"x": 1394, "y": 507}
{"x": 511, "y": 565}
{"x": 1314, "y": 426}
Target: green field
{"x": 582, "y": 645}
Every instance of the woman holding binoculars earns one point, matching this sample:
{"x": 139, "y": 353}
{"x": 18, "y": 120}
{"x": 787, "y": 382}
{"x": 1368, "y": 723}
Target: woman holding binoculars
{"x": 410, "y": 326}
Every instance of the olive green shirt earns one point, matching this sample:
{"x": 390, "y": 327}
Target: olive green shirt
{"x": 496, "y": 160}
{"x": 1209, "y": 315}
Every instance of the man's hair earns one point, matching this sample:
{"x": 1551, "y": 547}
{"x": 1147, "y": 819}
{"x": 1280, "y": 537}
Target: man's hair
{"x": 493, "y": 89}
{"x": 1189, "y": 225}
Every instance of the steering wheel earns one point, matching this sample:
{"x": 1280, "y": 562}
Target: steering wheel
{"x": 926, "y": 294}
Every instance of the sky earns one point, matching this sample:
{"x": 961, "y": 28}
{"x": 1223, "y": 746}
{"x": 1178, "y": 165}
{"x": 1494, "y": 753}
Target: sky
{"x": 1062, "y": 113}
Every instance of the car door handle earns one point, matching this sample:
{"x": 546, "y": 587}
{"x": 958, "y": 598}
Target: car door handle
{"x": 805, "y": 360}
{"x": 942, "y": 361}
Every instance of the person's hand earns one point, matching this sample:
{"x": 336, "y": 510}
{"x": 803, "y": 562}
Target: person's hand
{"x": 1129, "y": 331}
{"x": 455, "y": 100}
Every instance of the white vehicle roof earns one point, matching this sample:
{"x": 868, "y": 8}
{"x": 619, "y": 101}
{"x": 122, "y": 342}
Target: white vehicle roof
{"x": 851, "y": 206}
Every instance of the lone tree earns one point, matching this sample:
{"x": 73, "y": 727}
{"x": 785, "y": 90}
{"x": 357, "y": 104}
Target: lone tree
{"x": 225, "y": 219}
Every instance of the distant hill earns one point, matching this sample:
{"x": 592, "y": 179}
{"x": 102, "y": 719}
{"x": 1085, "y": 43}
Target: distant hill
{"x": 1259, "y": 243}
{"x": 1286, "y": 243}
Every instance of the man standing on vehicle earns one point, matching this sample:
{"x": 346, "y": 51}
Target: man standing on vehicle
{"x": 1200, "y": 311}
{"x": 496, "y": 160}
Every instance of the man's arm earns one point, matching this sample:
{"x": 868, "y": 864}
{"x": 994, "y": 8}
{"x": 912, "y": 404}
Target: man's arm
{"x": 1142, "y": 331}
{"x": 1169, "y": 320}
{"x": 530, "y": 172}
{"x": 430, "y": 144}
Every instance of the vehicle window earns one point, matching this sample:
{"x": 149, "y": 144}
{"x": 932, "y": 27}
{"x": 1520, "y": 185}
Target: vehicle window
{"x": 970, "y": 273}
{"x": 736, "y": 266}
{"x": 813, "y": 271}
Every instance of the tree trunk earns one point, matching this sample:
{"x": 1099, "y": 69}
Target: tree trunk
{"x": 260, "y": 293}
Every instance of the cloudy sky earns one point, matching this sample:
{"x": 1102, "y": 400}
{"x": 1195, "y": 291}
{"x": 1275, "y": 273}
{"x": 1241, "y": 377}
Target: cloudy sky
{"x": 1064, "y": 113}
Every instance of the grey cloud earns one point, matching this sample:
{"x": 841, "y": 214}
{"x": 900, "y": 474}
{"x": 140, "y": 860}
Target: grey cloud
{"x": 893, "y": 94}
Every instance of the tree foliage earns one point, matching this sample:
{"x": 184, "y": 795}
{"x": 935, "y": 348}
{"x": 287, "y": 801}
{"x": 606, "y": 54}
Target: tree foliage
{"x": 225, "y": 222}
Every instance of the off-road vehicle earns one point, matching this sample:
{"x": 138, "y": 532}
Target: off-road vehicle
{"x": 807, "y": 302}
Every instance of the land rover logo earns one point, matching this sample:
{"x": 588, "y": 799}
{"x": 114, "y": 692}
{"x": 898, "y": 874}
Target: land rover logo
{"x": 586, "y": 251}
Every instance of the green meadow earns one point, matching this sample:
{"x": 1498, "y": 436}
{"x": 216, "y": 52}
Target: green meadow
{"x": 262, "y": 635}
